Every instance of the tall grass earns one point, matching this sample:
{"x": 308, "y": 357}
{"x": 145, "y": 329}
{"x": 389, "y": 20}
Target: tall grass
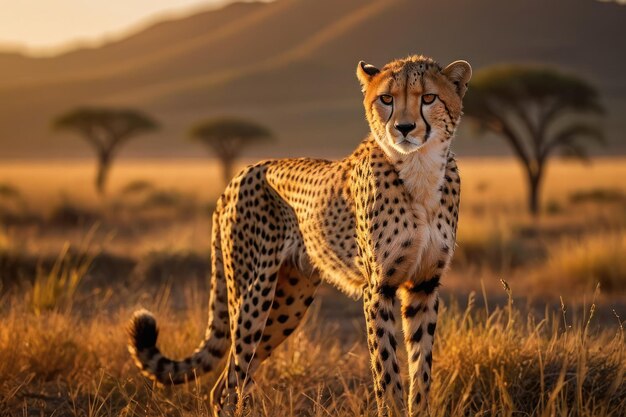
{"x": 497, "y": 362}
{"x": 56, "y": 288}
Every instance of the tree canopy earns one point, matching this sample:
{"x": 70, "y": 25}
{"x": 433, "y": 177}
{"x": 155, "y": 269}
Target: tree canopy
{"x": 537, "y": 110}
{"x": 227, "y": 137}
{"x": 104, "y": 126}
{"x": 105, "y": 129}
{"x": 230, "y": 128}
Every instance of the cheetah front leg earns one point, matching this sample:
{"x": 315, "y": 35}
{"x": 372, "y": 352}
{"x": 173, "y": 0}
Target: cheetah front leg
{"x": 420, "y": 304}
{"x": 378, "y": 302}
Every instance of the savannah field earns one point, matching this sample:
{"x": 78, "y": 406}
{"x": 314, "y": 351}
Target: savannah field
{"x": 531, "y": 324}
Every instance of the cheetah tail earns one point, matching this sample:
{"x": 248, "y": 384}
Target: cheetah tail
{"x": 143, "y": 333}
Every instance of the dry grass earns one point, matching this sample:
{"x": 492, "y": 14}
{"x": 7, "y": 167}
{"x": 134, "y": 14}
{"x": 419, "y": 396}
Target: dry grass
{"x": 497, "y": 363}
{"x": 583, "y": 263}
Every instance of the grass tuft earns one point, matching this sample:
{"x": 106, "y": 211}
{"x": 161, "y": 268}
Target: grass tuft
{"x": 582, "y": 264}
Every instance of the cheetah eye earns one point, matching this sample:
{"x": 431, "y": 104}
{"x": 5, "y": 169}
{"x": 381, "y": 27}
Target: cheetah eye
{"x": 386, "y": 99}
{"x": 428, "y": 98}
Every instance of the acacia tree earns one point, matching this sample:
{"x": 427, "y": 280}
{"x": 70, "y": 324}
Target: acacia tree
{"x": 106, "y": 130}
{"x": 538, "y": 111}
{"x": 227, "y": 137}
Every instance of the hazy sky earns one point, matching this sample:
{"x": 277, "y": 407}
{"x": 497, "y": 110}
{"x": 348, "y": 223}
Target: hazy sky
{"x": 44, "y": 24}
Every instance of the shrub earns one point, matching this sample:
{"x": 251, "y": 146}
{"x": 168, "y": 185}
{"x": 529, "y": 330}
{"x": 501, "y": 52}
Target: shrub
{"x": 68, "y": 214}
{"x": 136, "y": 187}
{"x": 581, "y": 264}
{"x": 597, "y": 195}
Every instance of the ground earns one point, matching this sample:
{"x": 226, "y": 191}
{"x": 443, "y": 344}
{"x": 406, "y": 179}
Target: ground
{"x": 73, "y": 267}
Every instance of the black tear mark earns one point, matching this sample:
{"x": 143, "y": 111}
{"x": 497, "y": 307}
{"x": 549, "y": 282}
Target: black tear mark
{"x": 427, "y": 134}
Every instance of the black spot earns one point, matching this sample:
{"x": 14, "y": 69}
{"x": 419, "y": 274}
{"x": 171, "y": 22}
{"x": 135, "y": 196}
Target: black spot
{"x": 429, "y": 359}
{"x": 426, "y": 287}
{"x": 417, "y": 336}
{"x": 384, "y": 314}
{"x": 411, "y": 311}
{"x": 216, "y": 353}
{"x": 392, "y": 342}
{"x": 387, "y": 291}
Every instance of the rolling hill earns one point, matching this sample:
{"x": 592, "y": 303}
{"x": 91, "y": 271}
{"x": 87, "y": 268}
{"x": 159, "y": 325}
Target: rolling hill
{"x": 290, "y": 64}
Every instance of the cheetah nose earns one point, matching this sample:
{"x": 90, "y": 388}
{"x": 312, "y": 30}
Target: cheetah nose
{"x": 405, "y": 128}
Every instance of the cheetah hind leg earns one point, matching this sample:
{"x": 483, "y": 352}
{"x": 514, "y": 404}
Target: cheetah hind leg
{"x": 293, "y": 295}
{"x": 247, "y": 321}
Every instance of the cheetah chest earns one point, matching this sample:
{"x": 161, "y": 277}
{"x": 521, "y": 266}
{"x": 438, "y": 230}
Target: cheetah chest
{"x": 438, "y": 241}
{"x": 434, "y": 202}
{"x": 437, "y": 236}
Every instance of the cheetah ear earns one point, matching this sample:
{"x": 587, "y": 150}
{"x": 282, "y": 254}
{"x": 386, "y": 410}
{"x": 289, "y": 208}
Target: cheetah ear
{"x": 459, "y": 72}
{"x": 365, "y": 73}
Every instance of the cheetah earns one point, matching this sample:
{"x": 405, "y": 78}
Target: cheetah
{"x": 379, "y": 224}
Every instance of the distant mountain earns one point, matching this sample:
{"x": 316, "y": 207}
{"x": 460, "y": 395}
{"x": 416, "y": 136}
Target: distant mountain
{"x": 290, "y": 64}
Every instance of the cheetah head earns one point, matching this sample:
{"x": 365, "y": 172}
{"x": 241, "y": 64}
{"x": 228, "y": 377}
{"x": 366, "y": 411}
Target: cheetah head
{"x": 412, "y": 102}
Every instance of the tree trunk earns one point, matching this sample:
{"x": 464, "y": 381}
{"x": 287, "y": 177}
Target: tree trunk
{"x": 104, "y": 163}
{"x": 534, "y": 192}
{"x": 227, "y": 169}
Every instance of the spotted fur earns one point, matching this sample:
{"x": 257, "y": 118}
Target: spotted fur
{"x": 380, "y": 224}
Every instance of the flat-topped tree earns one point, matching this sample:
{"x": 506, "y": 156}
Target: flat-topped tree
{"x": 227, "y": 137}
{"x": 538, "y": 111}
{"x": 106, "y": 130}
